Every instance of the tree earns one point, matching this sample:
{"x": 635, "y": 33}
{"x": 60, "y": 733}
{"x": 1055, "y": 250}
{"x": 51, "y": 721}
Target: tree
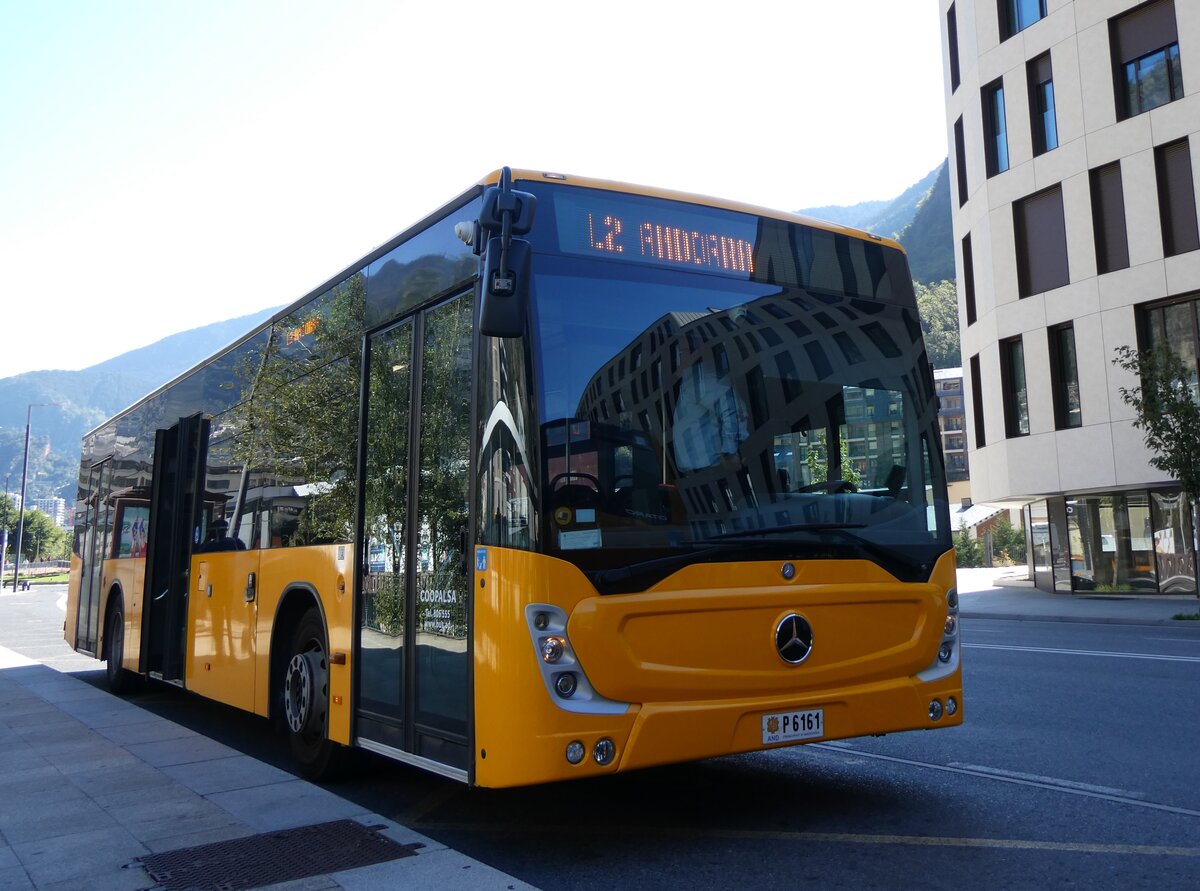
{"x": 1167, "y": 405}
{"x": 967, "y": 552}
{"x": 937, "y": 305}
{"x": 1008, "y": 541}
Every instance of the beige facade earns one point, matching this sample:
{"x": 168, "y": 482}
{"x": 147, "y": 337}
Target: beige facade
{"x": 1031, "y": 453}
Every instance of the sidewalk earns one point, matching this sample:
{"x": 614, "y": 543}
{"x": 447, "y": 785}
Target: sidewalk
{"x": 89, "y": 784}
{"x": 1005, "y": 593}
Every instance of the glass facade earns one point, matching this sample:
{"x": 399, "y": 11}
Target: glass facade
{"x": 1135, "y": 542}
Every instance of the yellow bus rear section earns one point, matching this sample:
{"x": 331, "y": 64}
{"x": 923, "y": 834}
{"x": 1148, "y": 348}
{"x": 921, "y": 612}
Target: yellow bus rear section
{"x": 695, "y": 659}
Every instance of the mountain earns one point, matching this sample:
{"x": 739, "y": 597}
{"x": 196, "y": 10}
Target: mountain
{"x": 919, "y": 218}
{"x": 85, "y": 398}
{"x": 929, "y": 236}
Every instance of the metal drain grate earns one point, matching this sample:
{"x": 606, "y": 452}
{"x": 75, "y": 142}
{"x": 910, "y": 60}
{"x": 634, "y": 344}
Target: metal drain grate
{"x": 274, "y": 857}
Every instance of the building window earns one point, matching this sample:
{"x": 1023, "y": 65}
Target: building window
{"x": 1064, "y": 377}
{"x": 952, "y": 41}
{"x": 1041, "y": 236}
{"x": 1017, "y": 15}
{"x": 1176, "y": 197}
{"x": 1177, "y": 325}
{"x": 977, "y": 403}
{"x": 1016, "y": 393}
{"x": 1041, "y": 104}
{"x": 1146, "y": 68}
{"x": 1108, "y": 218}
{"x": 995, "y": 130}
{"x": 960, "y": 162}
{"x": 968, "y": 279}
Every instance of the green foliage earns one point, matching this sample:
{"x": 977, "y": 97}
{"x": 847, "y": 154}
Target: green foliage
{"x": 1008, "y": 541}
{"x": 1167, "y": 403}
{"x": 41, "y": 539}
{"x": 937, "y": 305}
{"x": 967, "y": 552}
{"x": 818, "y": 463}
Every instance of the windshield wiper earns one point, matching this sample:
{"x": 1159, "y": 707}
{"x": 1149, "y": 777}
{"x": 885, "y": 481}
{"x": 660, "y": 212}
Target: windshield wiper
{"x": 791, "y": 527}
{"x": 887, "y": 557}
{"x": 636, "y": 576}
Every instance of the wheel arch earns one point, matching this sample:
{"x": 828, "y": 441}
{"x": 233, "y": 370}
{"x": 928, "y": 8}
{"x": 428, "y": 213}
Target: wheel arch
{"x": 298, "y": 598}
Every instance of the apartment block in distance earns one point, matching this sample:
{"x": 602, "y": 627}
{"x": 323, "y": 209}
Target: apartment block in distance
{"x": 1074, "y": 132}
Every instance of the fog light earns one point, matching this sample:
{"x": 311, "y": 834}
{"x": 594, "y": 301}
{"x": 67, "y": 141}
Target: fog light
{"x": 604, "y": 751}
{"x": 951, "y": 706}
{"x": 541, "y": 621}
{"x": 952, "y": 599}
{"x": 575, "y": 752}
{"x": 945, "y": 651}
{"x": 564, "y": 684}
{"x": 553, "y": 649}
{"x": 951, "y": 625}
{"x": 935, "y": 710}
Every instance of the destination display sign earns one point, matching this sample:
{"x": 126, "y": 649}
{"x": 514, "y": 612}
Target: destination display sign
{"x": 661, "y": 233}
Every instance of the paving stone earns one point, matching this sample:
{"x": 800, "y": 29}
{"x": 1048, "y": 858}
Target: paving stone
{"x": 226, "y": 774}
{"x": 185, "y": 750}
{"x": 155, "y": 730}
{"x": 82, "y": 856}
{"x": 284, "y": 805}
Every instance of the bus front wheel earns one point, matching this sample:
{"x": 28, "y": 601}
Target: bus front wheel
{"x": 306, "y": 698}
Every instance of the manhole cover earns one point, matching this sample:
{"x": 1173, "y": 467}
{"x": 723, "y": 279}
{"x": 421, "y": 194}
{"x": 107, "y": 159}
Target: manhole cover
{"x": 274, "y": 857}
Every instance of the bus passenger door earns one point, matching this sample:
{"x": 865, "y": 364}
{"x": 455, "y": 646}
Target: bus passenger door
{"x": 92, "y": 552}
{"x": 414, "y": 661}
{"x": 175, "y": 502}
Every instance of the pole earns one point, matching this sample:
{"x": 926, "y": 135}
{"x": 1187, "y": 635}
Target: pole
{"x": 21, "y": 509}
{"x": 24, "y": 470}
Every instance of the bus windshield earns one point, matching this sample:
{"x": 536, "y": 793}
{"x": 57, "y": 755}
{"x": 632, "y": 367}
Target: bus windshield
{"x": 688, "y": 416}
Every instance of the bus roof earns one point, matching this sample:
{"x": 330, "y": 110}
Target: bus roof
{"x": 669, "y": 194}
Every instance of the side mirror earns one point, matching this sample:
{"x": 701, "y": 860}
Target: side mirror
{"x": 505, "y": 290}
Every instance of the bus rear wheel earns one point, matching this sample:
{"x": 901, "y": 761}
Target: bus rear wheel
{"x": 306, "y": 699}
{"x": 116, "y": 678}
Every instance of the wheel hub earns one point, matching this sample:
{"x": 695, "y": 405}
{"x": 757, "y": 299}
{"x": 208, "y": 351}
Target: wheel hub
{"x": 298, "y": 690}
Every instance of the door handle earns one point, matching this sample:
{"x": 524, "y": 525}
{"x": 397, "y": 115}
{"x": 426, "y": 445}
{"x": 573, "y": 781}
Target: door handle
{"x": 251, "y": 587}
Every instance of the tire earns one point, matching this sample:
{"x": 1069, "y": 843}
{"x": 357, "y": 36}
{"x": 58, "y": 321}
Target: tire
{"x": 116, "y": 677}
{"x": 306, "y": 700}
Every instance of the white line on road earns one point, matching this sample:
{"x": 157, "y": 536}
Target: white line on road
{"x": 1048, "y": 783}
{"x": 1160, "y": 657}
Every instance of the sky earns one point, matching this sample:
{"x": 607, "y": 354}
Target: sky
{"x": 164, "y": 165}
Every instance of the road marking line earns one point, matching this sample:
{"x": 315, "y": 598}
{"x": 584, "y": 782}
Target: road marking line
{"x": 1053, "y": 781}
{"x": 1056, "y": 650}
{"x": 1047, "y": 783}
{"x": 1015, "y": 844}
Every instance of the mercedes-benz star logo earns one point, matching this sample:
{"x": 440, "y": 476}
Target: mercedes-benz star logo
{"x": 794, "y": 639}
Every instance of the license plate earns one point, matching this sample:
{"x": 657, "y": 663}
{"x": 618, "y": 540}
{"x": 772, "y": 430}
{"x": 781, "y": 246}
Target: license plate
{"x": 791, "y": 726}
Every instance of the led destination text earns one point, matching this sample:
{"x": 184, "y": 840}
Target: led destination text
{"x": 659, "y": 242}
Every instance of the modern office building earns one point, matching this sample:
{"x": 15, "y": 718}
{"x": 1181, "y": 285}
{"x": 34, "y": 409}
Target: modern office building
{"x": 952, "y": 420}
{"x": 1074, "y": 131}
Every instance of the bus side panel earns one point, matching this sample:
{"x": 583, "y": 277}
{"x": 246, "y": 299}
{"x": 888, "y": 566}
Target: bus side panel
{"x": 521, "y": 736}
{"x": 221, "y": 660}
{"x": 327, "y": 569}
{"x": 73, "y": 585}
{"x": 130, "y": 575}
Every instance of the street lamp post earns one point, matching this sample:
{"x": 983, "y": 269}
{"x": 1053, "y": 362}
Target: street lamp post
{"x": 21, "y": 510}
{"x": 4, "y": 527}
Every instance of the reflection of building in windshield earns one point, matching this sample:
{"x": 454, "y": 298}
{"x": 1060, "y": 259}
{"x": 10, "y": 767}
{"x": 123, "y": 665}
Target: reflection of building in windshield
{"x": 782, "y": 395}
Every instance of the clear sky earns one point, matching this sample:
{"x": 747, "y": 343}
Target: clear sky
{"x": 164, "y": 165}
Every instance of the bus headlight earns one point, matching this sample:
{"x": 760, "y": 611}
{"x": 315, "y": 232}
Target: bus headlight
{"x": 565, "y": 684}
{"x": 604, "y": 751}
{"x": 553, "y": 649}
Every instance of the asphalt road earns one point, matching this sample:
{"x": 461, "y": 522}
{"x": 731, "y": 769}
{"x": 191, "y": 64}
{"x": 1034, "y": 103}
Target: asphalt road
{"x": 1077, "y": 767}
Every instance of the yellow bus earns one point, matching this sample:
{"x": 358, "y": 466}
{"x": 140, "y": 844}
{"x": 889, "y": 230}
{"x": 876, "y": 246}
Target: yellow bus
{"x": 570, "y": 478}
